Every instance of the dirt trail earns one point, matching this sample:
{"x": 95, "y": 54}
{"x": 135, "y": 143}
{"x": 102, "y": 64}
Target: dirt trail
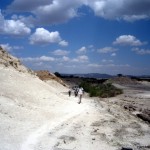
{"x": 35, "y": 137}
{"x": 92, "y": 125}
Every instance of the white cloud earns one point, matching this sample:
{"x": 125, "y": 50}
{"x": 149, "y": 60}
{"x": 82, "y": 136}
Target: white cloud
{"x": 141, "y": 51}
{"x": 94, "y": 65}
{"x": 26, "y": 5}
{"x": 58, "y": 11}
{"x": 13, "y": 27}
{"x": 113, "y": 54}
{"x": 128, "y": 40}
{"x": 45, "y": 58}
{"x": 81, "y": 50}
{"x": 81, "y": 59}
{"x": 51, "y": 13}
{"x": 91, "y": 46}
{"x": 63, "y": 43}
{"x": 36, "y": 59}
{"x": 43, "y": 36}
{"x": 27, "y": 20}
{"x": 121, "y": 9}
{"x": 61, "y": 52}
{"x": 104, "y": 66}
{"x": 107, "y": 50}
{"x": 48, "y": 11}
{"x": 133, "y": 18}
{"x": 6, "y": 47}
{"x": 107, "y": 61}
{"x": 9, "y": 48}
{"x": 65, "y": 58}
{"x": 118, "y": 65}
{"x": 18, "y": 47}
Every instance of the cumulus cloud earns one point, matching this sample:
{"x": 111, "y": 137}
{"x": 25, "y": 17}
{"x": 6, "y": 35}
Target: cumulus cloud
{"x": 61, "y": 52}
{"x": 121, "y": 9}
{"x": 65, "y": 58}
{"x": 13, "y": 27}
{"x": 26, "y": 5}
{"x": 36, "y": 59}
{"x": 58, "y": 11}
{"x": 48, "y": 11}
{"x": 63, "y": 43}
{"x": 27, "y": 20}
{"x": 43, "y": 36}
{"x": 128, "y": 40}
{"x": 107, "y": 50}
{"x": 141, "y": 51}
{"x": 81, "y": 59}
{"x": 81, "y": 50}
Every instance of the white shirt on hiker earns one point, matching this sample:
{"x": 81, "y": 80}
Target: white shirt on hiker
{"x": 80, "y": 91}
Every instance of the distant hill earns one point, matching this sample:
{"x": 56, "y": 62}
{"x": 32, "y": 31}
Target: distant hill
{"x": 90, "y": 75}
{"x": 144, "y": 76}
{"x": 104, "y": 76}
{"x": 123, "y": 81}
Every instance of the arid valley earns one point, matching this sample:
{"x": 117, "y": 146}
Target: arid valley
{"x": 39, "y": 115}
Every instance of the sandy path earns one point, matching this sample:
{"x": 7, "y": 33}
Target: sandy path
{"x": 35, "y": 137}
{"x": 92, "y": 125}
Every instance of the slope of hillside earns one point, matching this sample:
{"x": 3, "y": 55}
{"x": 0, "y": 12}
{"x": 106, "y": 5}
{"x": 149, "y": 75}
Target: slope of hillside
{"x": 8, "y": 60}
{"x": 26, "y": 102}
{"x": 45, "y": 75}
{"x": 37, "y": 115}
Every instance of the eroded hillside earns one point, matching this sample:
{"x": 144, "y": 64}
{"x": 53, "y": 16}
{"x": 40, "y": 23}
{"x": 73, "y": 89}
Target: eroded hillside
{"x": 8, "y": 60}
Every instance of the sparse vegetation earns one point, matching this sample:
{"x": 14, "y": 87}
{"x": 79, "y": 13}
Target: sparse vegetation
{"x": 57, "y": 74}
{"x": 101, "y": 90}
{"x": 119, "y": 75}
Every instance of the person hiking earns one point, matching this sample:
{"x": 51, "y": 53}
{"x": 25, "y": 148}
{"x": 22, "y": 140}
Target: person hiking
{"x": 80, "y": 93}
{"x": 69, "y": 92}
{"x": 76, "y": 92}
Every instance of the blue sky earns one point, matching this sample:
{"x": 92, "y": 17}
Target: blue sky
{"x": 80, "y": 36}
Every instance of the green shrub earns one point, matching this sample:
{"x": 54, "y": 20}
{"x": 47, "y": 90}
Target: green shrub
{"x": 101, "y": 90}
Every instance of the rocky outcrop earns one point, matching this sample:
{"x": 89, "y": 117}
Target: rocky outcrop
{"x": 144, "y": 117}
{"x": 8, "y": 60}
